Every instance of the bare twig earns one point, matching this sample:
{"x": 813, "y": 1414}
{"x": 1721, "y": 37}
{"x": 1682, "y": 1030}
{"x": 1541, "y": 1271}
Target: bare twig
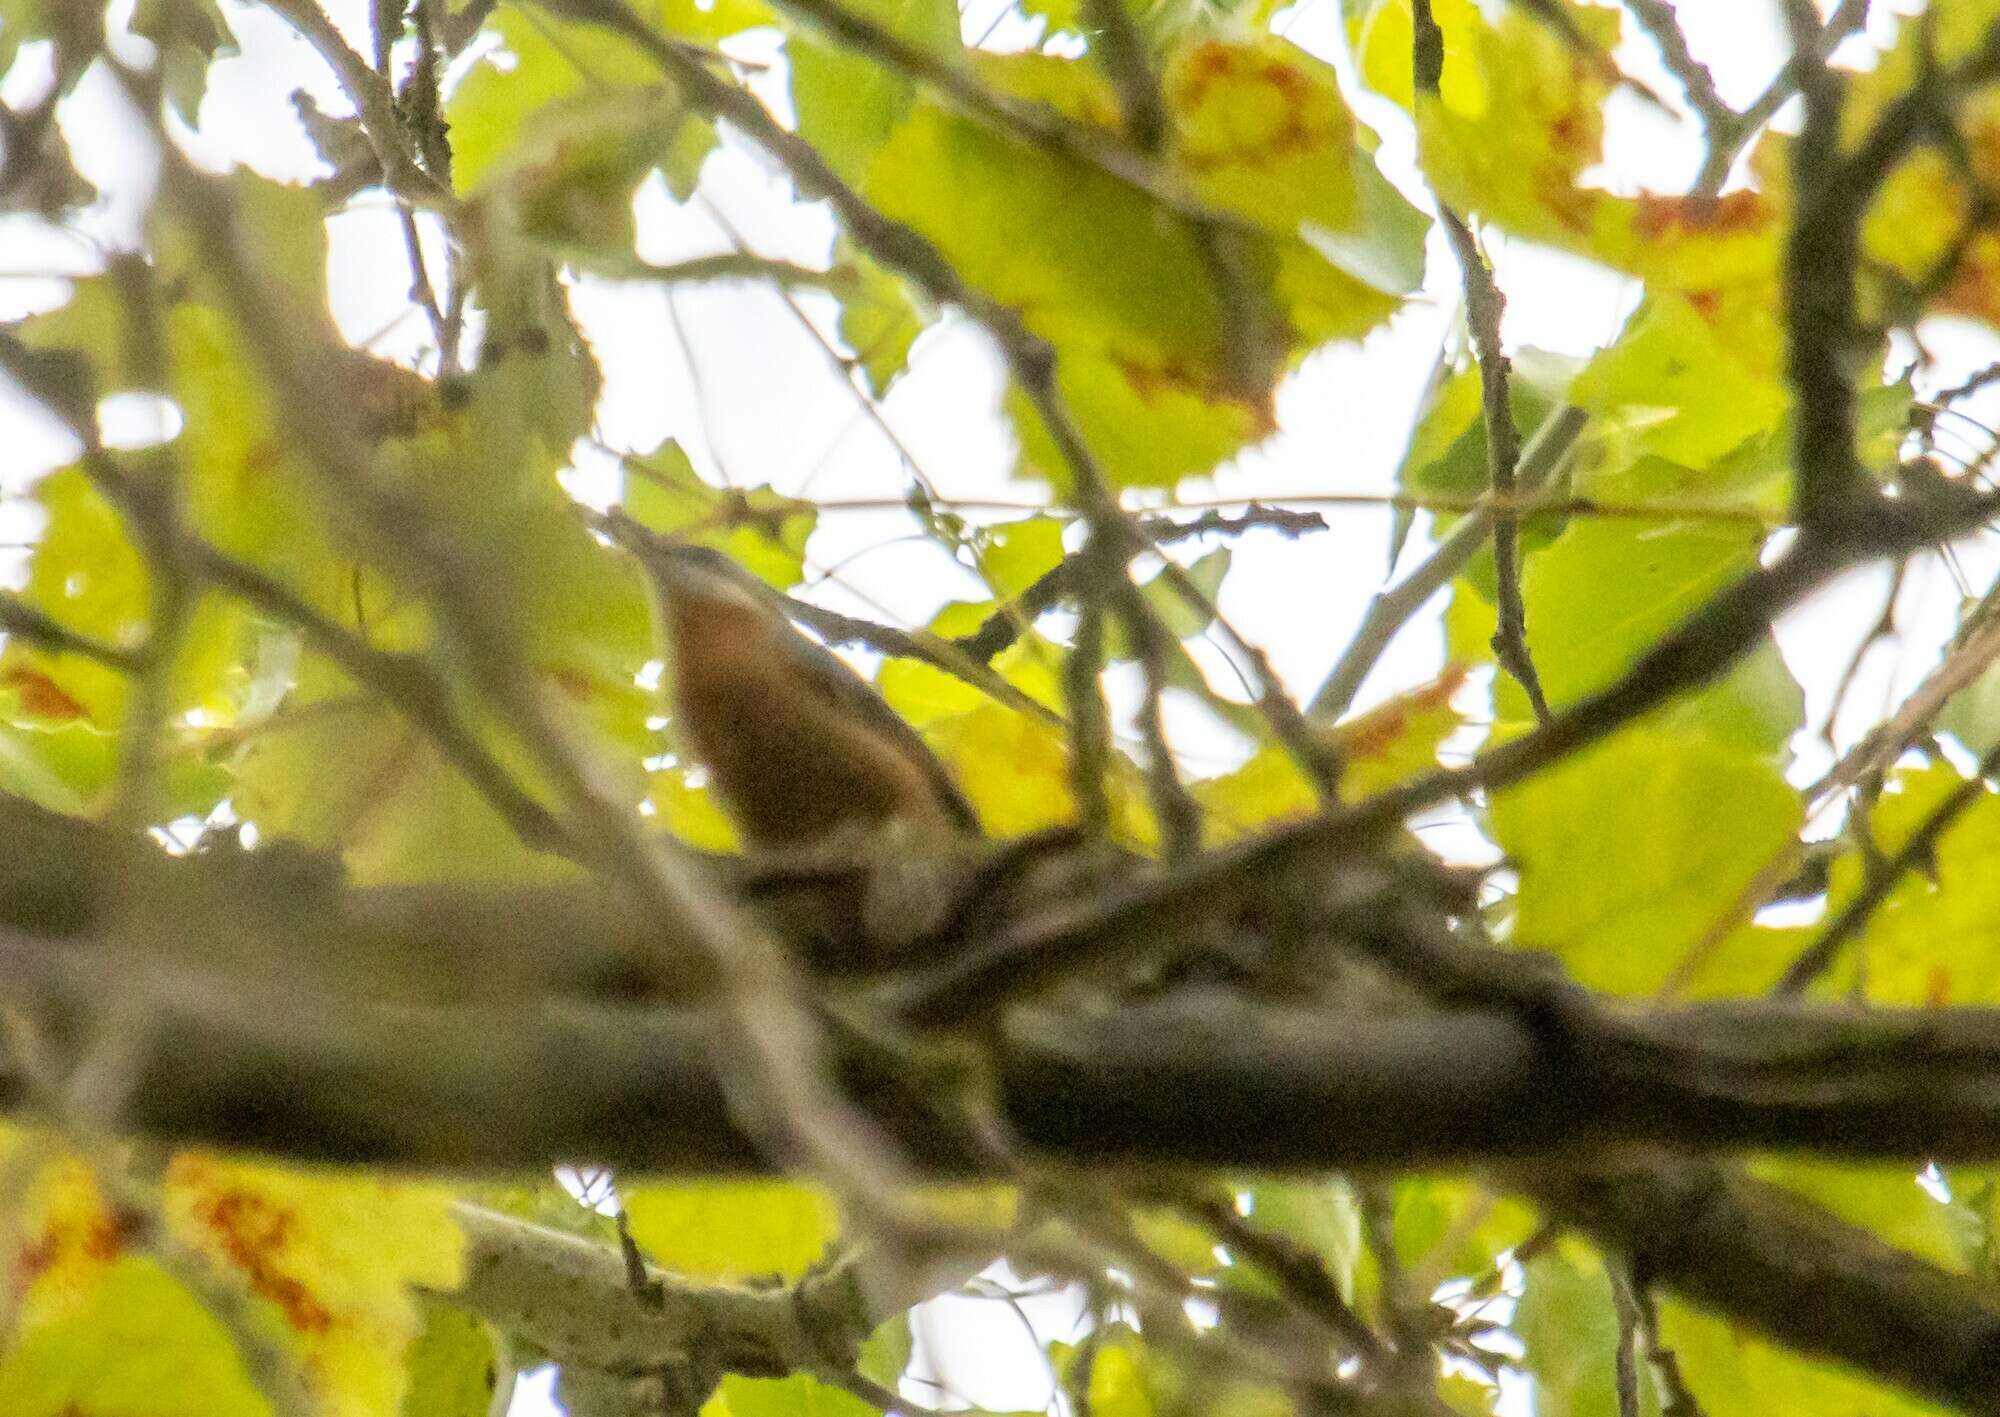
{"x": 785, "y": 1094}
{"x": 1625, "y": 1364}
{"x": 1391, "y": 609}
{"x": 24, "y": 622}
{"x": 1658, "y": 19}
{"x": 1919, "y": 848}
{"x": 1302, "y": 1279}
{"x": 1178, "y": 814}
{"x": 1676, "y": 1398}
{"x": 1121, "y": 50}
{"x": 151, "y": 505}
{"x": 373, "y": 97}
{"x": 1007, "y": 624}
{"x": 1726, "y": 141}
{"x": 1288, "y": 725}
{"x": 1483, "y": 307}
{"x": 1977, "y": 649}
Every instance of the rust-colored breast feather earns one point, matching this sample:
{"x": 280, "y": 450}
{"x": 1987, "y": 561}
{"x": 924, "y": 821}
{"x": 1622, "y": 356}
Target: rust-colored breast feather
{"x": 793, "y": 754}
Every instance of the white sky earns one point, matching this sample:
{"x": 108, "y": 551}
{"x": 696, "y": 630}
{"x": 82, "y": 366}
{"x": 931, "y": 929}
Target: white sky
{"x": 758, "y": 403}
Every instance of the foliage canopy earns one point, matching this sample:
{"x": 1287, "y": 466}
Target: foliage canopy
{"x": 328, "y": 722}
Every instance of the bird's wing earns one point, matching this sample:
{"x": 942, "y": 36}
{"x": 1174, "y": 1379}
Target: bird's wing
{"x": 848, "y": 692}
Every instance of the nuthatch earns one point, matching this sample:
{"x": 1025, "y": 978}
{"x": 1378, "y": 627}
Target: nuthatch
{"x": 797, "y": 744}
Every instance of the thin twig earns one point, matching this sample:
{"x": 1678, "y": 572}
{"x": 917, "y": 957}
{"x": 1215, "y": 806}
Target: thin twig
{"x": 1484, "y": 306}
{"x": 786, "y": 1097}
{"x": 1178, "y": 814}
{"x": 1288, "y": 725}
{"x": 1657, "y": 18}
{"x": 1299, "y": 1275}
{"x": 385, "y": 23}
{"x": 1676, "y": 1398}
{"x": 1006, "y": 625}
{"x": 32, "y": 626}
{"x": 1882, "y": 630}
{"x": 1625, "y": 1364}
{"x": 1978, "y": 648}
{"x": 373, "y": 98}
{"x": 1727, "y": 141}
{"x": 1919, "y": 848}
{"x": 1120, "y": 50}
{"x": 1391, "y": 609}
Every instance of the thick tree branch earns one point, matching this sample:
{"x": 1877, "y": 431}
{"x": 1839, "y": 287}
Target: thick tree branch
{"x": 570, "y": 1298}
{"x": 1525, "y": 1068}
{"x": 1768, "y": 1260}
{"x": 296, "y": 1067}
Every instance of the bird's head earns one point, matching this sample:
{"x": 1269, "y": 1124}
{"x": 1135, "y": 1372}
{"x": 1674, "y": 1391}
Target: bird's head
{"x": 693, "y": 578}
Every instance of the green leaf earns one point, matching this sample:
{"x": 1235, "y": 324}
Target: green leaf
{"x": 1605, "y": 591}
{"x": 86, "y": 573}
{"x": 1264, "y": 133}
{"x": 1972, "y": 715}
{"x": 495, "y": 109}
{"x": 1050, "y": 236}
{"x": 343, "y": 773}
{"x": 1630, "y": 852}
{"x": 1655, "y": 388}
{"x": 323, "y": 1265}
{"x": 1147, "y": 422}
{"x": 731, "y": 1229}
{"x": 1936, "y": 939}
{"x": 1734, "y": 1370}
{"x": 1445, "y": 1226}
{"x": 569, "y": 186}
{"x": 1181, "y": 618}
{"x": 137, "y": 1344}
{"x": 761, "y": 530}
{"x": 847, "y": 103}
{"x": 190, "y": 35}
{"x": 711, "y": 20}
{"x": 886, "y": 1353}
{"x": 1567, "y": 1323}
{"x": 1885, "y": 1200}
{"x": 879, "y": 318}
{"x": 452, "y": 1366}
{"x": 797, "y": 1396}
{"x": 1015, "y": 555}
{"x": 1452, "y": 467}
{"x": 1321, "y": 1217}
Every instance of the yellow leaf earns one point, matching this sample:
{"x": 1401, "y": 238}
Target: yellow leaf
{"x": 326, "y": 1261}
{"x": 731, "y": 1229}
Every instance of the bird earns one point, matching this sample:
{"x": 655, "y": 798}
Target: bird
{"x": 799, "y": 748}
